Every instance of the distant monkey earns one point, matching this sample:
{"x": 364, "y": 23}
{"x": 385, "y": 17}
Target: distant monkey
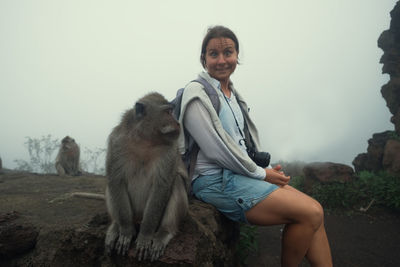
{"x": 147, "y": 180}
{"x": 67, "y": 161}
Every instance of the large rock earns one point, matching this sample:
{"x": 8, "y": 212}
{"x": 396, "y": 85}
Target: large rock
{"x": 391, "y": 157}
{"x": 326, "y": 172}
{"x": 389, "y": 42}
{"x": 206, "y": 238}
{"x": 16, "y": 238}
{"x": 372, "y": 160}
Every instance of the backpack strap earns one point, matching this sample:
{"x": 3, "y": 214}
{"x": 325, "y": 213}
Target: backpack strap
{"x": 211, "y": 92}
{"x": 213, "y": 95}
{"x": 193, "y": 159}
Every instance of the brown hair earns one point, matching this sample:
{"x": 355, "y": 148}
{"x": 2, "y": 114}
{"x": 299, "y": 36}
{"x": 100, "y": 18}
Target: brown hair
{"x": 216, "y": 32}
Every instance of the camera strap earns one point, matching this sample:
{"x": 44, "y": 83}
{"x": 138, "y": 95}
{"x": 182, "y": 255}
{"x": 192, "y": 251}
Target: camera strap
{"x": 237, "y": 124}
{"x": 262, "y": 159}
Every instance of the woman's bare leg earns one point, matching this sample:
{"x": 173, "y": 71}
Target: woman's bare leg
{"x": 303, "y": 217}
{"x": 319, "y": 249}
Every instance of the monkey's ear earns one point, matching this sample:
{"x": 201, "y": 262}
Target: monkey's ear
{"x": 140, "y": 109}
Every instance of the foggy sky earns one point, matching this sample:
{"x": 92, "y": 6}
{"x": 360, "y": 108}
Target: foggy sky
{"x": 309, "y": 69}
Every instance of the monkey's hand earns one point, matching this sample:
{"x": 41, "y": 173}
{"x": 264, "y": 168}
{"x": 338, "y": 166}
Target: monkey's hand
{"x": 143, "y": 246}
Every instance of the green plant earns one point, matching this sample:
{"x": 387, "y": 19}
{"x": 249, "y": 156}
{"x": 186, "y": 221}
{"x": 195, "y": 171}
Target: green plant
{"x": 297, "y": 182}
{"x": 247, "y": 242}
{"x": 337, "y": 195}
{"x": 394, "y": 135}
{"x": 382, "y": 187}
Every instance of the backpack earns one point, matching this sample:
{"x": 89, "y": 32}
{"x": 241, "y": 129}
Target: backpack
{"x": 190, "y": 155}
{"x": 212, "y": 94}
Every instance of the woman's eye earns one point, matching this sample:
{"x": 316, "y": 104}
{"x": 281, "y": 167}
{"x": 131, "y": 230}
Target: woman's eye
{"x": 213, "y": 54}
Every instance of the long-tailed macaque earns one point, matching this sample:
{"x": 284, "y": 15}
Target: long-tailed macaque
{"x": 67, "y": 161}
{"x": 147, "y": 180}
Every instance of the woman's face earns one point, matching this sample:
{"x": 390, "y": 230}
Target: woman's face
{"x": 221, "y": 58}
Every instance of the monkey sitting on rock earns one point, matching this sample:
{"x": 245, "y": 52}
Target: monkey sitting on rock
{"x": 67, "y": 161}
{"x": 147, "y": 180}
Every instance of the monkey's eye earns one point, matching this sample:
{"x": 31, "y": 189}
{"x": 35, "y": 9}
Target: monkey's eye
{"x": 169, "y": 108}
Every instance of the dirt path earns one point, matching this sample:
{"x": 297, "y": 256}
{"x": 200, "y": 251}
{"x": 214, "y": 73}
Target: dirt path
{"x": 359, "y": 240}
{"x": 46, "y": 200}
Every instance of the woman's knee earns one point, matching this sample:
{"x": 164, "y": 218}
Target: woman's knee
{"x": 315, "y": 215}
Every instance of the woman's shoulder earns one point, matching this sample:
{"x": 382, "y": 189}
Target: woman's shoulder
{"x": 193, "y": 85}
{"x": 194, "y": 89}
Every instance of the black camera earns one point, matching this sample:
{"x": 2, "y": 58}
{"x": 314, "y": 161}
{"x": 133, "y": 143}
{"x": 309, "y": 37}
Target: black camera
{"x": 262, "y": 159}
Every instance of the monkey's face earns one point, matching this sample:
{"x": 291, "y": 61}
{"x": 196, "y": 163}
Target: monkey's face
{"x": 170, "y": 128}
{"x": 68, "y": 143}
{"x": 153, "y": 114}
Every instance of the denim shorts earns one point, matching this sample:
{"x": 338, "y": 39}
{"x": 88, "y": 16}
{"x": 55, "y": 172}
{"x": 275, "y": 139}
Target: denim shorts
{"x": 232, "y": 194}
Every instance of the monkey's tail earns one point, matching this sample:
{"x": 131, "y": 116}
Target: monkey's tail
{"x": 88, "y": 195}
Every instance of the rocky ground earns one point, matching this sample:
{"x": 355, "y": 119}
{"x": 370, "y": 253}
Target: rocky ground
{"x": 42, "y": 223}
{"x": 357, "y": 239}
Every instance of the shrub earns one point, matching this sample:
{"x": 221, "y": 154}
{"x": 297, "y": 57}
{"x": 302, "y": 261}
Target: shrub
{"x": 381, "y": 187}
{"x": 91, "y": 160}
{"x": 247, "y": 242}
{"x": 40, "y": 155}
{"x": 297, "y": 182}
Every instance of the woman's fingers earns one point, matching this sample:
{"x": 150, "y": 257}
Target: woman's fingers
{"x": 275, "y": 177}
{"x": 277, "y": 167}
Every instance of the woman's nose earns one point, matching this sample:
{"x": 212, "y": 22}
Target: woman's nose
{"x": 221, "y": 59}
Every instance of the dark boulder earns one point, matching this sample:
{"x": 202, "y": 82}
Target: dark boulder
{"x": 391, "y": 157}
{"x": 16, "y": 237}
{"x": 326, "y": 172}
{"x": 372, "y": 160}
{"x": 206, "y": 238}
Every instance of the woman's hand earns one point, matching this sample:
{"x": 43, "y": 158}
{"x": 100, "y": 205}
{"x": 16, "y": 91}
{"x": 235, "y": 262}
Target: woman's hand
{"x": 275, "y": 176}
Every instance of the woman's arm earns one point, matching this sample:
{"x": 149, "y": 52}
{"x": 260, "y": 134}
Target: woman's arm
{"x": 198, "y": 123}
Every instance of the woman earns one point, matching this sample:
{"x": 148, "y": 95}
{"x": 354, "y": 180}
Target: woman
{"x": 224, "y": 174}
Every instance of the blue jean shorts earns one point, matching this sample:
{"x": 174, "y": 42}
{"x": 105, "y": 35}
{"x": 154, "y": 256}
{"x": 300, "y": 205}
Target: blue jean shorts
{"x": 232, "y": 194}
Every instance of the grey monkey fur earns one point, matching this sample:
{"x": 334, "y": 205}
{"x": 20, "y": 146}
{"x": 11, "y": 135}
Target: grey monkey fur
{"x": 147, "y": 180}
{"x": 67, "y": 161}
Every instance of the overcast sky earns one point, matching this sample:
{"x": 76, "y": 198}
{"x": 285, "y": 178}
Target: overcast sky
{"x": 309, "y": 69}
